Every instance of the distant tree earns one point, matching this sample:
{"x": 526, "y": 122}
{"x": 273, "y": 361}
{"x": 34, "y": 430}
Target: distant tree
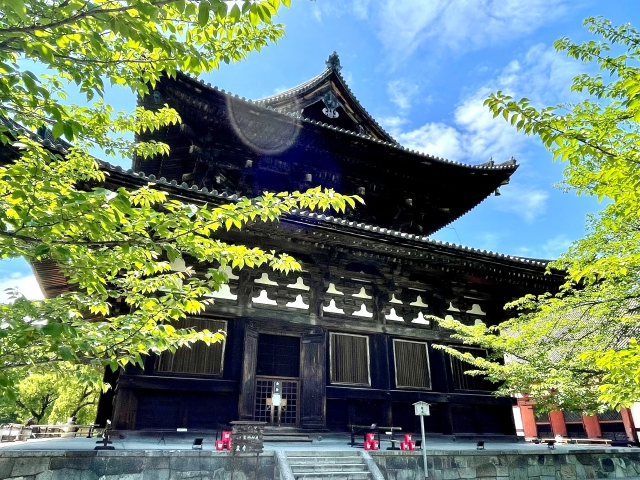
{"x": 115, "y": 247}
{"x": 49, "y": 396}
{"x": 576, "y": 349}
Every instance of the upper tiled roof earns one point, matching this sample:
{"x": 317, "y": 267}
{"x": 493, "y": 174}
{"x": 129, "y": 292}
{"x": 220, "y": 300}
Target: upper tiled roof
{"x": 510, "y": 164}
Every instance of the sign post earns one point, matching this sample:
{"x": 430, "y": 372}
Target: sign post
{"x": 422, "y": 409}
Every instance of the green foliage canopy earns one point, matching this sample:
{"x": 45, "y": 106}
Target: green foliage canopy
{"x": 53, "y": 395}
{"x": 116, "y": 247}
{"x": 576, "y": 349}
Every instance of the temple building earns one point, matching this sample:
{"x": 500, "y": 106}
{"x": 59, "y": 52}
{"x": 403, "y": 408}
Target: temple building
{"x": 349, "y": 339}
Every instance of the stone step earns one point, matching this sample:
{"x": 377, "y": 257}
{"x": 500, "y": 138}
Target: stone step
{"x": 283, "y": 430}
{"x": 343, "y": 467}
{"x": 336, "y": 475}
{"x": 317, "y": 460}
{"x": 324, "y": 453}
{"x": 286, "y": 438}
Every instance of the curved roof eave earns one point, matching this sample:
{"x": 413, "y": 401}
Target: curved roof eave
{"x": 329, "y": 220}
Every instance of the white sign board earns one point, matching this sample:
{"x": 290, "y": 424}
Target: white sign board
{"x": 421, "y": 408}
{"x": 276, "y": 400}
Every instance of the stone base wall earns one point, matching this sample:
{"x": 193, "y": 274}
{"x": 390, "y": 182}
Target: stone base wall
{"x": 487, "y": 465}
{"x": 135, "y": 465}
{"x": 207, "y": 465}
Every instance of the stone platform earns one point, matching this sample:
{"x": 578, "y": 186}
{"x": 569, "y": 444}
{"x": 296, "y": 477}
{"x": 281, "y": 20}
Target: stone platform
{"x": 137, "y": 458}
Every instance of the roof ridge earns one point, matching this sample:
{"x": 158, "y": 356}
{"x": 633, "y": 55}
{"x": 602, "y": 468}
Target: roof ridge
{"x": 366, "y": 112}
{"x": 333, "y": 65}
{"x": 290, "y": 92}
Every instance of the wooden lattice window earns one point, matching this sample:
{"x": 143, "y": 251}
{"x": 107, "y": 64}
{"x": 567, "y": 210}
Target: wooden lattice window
{"x": 199, "y": 358}
{"x": 349, "y": 359}
{"x": 462, "y": 381}
{"x": 412, "y": 364}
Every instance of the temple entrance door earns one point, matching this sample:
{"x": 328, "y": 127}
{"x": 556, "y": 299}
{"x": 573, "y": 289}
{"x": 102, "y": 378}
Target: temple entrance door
{"x": 277, "y": 371}
{"x": 288, "y": 414}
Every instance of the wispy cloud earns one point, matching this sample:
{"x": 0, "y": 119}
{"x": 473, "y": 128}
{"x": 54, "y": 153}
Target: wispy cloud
{"x": 361, "y": 8}
{"x": 525, "y": 201}
{"x": 401, "y": 92}
{"x": 551, "y": 249}
{"x": 436, "y": 139}
{"x": 405, "y": 25}
{"x": 26, "y": 285}
{"x": 487, "y": 240}
{"x": 393, "y": 122}
{"x": 348, "y": 76}
{"x": 474, "y": 135}
{"x": 317, "y": 13}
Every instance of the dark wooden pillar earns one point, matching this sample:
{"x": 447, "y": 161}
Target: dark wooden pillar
{"x": 446, "y": 424}
{"x": 248, "y": 383}
{"x": 313, "y": 379}
{"x": 124, "y": 410}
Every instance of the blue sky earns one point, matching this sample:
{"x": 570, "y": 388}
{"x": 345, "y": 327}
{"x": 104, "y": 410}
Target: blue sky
{"x": 422, "y": 68}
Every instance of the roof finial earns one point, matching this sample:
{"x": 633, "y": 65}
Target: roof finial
{"x": 333, "y": 62}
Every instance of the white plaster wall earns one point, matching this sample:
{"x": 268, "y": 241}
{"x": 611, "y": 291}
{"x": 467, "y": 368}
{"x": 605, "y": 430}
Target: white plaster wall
{"x": 635, "y": 414}
{"x": 517, "y": 418}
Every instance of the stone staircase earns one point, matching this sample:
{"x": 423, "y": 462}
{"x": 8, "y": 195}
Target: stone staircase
{"x": 328, "y": 466}
{"x": 285, "y": 434}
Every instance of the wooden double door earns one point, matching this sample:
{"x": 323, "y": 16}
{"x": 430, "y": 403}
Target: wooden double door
{"x": 297, "y": 362}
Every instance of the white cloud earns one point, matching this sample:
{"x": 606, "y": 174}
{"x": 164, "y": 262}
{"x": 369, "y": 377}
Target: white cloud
{"x": 328, "y": 9}
{"x": 317, "y": 13}
{"x": 487, "y": 240}
{"x": 361, "y": 8}
{"x": 402, "y": 93}
{"x": 435, "y": 139}
{"x": 525, "y": 201}
{"x": 347, "y": 75}
{"x": 551, "y": 249}
{"x": 403, "y": 25}
{"x": 474, "y": 135}
{"x": 26, "y": 285}
{"x": 393, "y": 122}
